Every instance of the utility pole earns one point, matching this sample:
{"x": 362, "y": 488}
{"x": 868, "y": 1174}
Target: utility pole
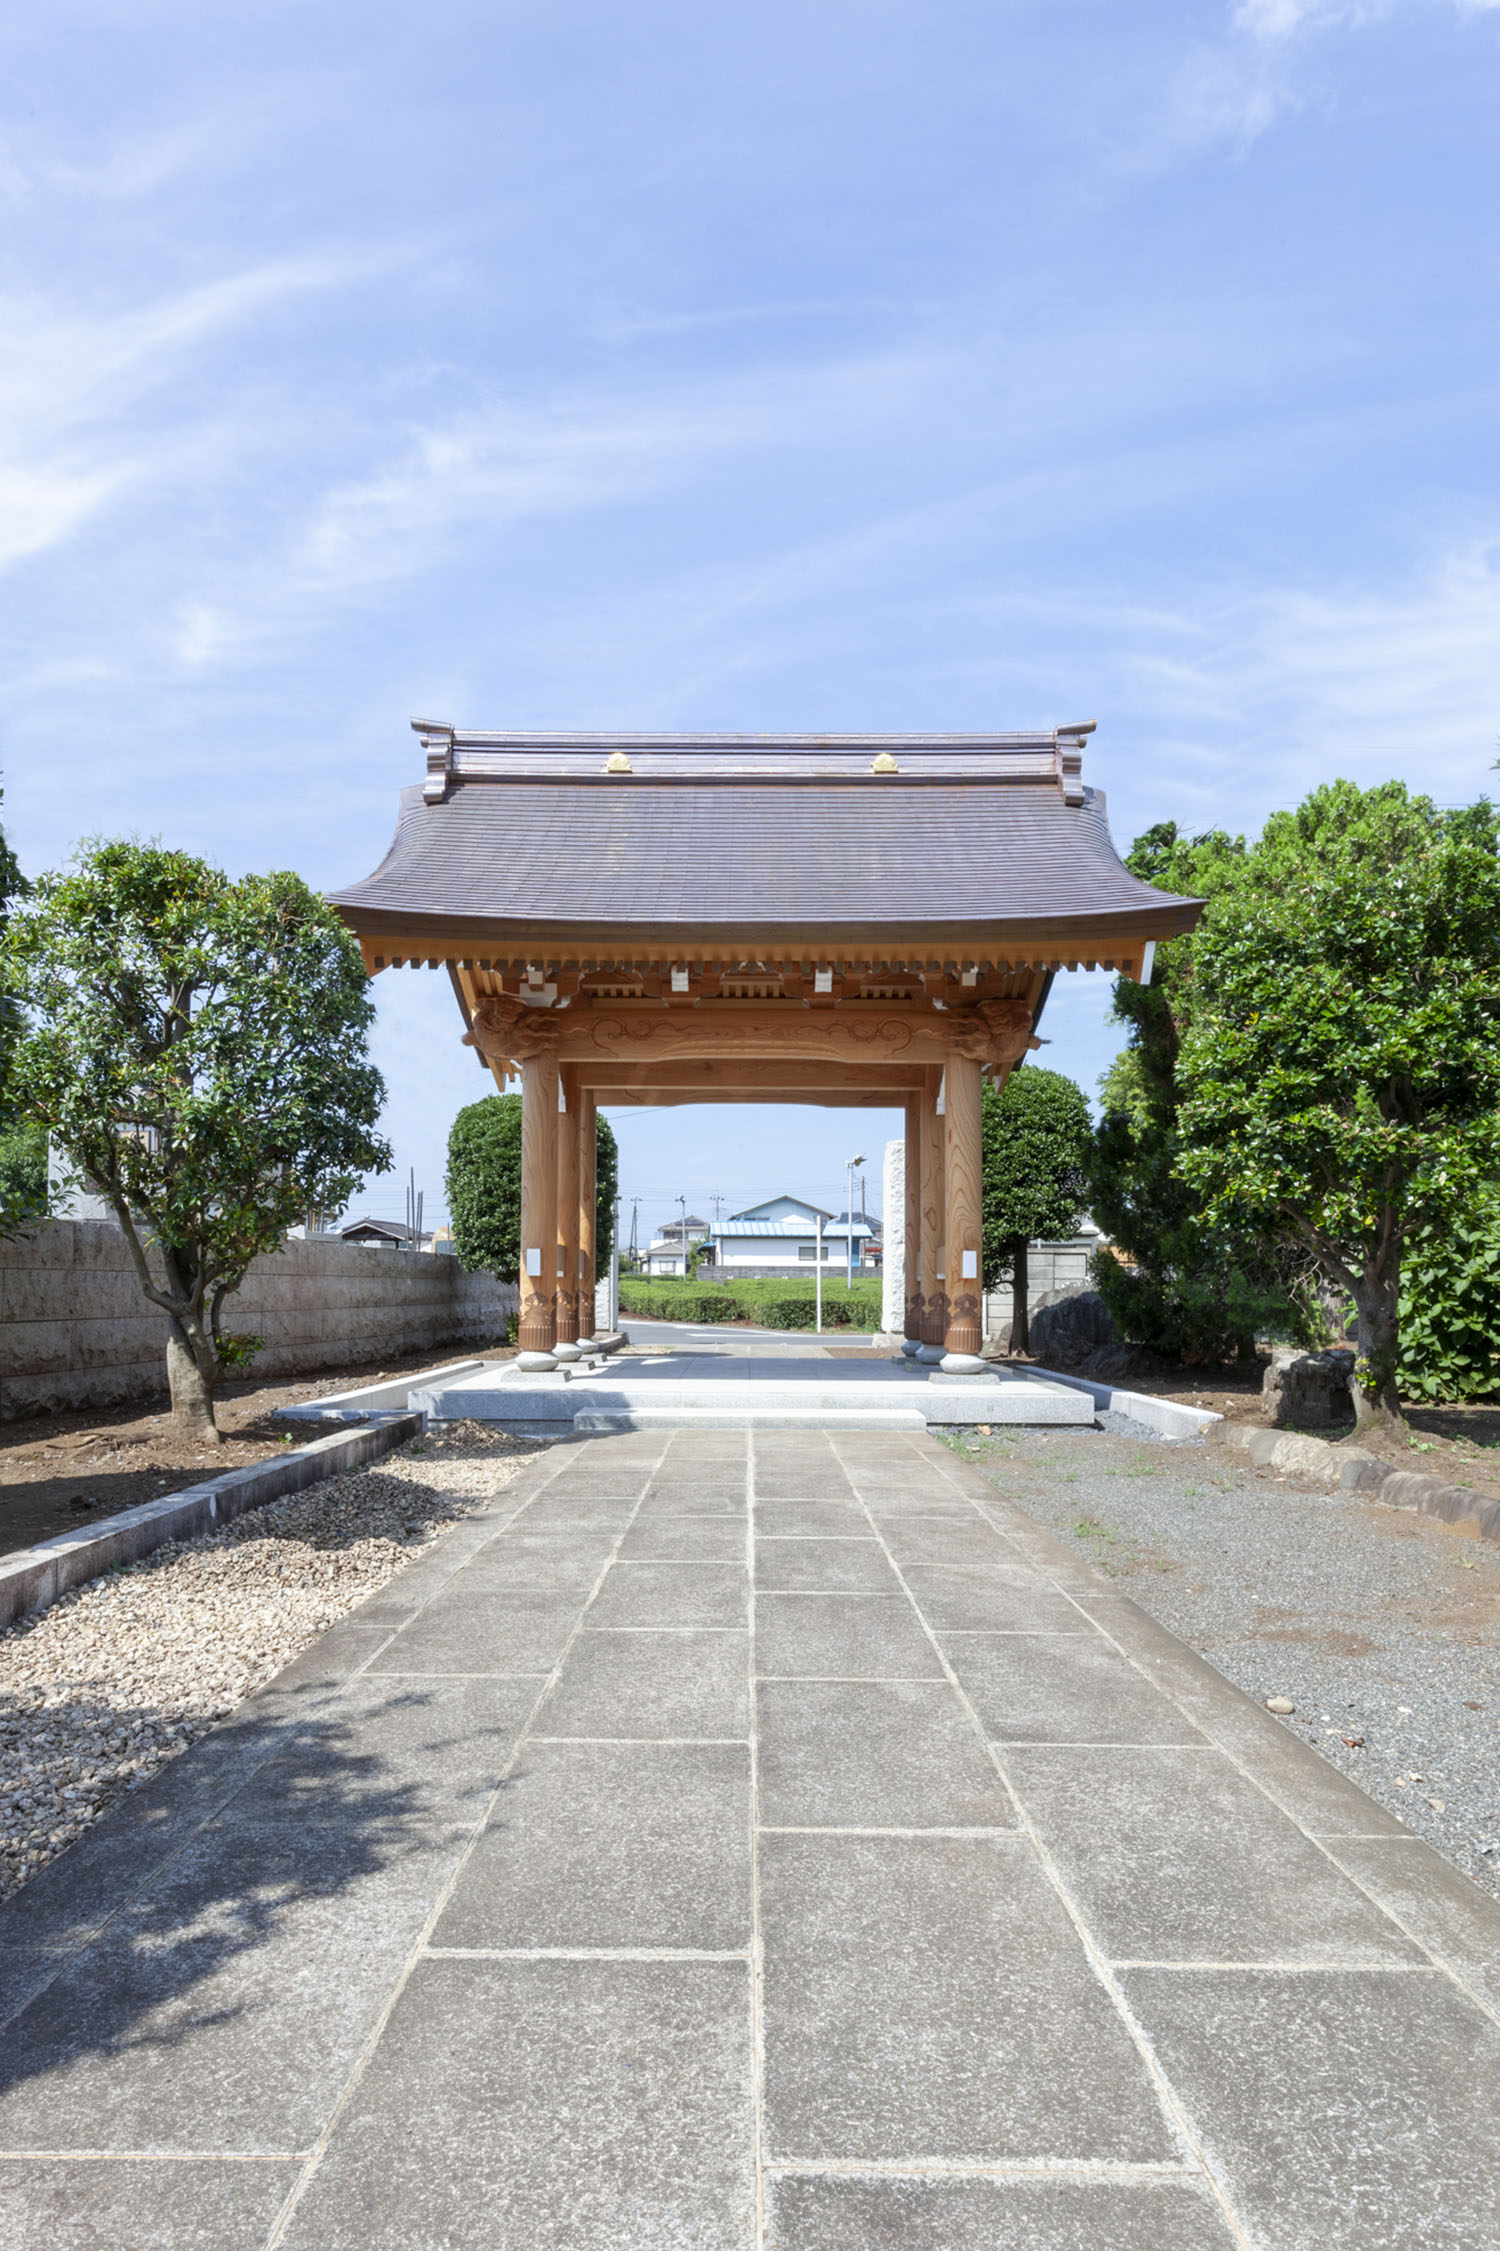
{"x": 683, "y": 1201}
{"x": 635, "y": 1215}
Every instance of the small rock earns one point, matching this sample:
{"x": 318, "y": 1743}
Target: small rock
{"x": 1282, "y": 1704}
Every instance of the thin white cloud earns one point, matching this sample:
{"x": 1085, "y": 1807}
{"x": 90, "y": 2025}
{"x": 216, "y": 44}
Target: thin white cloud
{"x": 134, "y": 166}
{"x": 1286, "y": 687}
{"x": 75, "y": 386}
{"x": 1285, "y": 19}
{"x": 476, "y": 475}
{"x": 1229, "y": 90}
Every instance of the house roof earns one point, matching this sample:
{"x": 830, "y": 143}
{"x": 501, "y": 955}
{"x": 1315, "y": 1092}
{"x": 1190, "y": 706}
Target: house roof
{"x": 802, "y": 1229}
{"x": 529, "y": 836}
{"x": 756, "y": 1211}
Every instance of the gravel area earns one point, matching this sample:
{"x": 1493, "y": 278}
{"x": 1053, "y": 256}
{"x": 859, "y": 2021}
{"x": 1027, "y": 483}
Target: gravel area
{"x": 100, "y": 1691}
{"x": 1381, "y": 1626}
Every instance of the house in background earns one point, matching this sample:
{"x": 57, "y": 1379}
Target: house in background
{"x": 384, "y": 1235}
{"x": 663, "y": 1255}
{"x": 781, "y": 1237}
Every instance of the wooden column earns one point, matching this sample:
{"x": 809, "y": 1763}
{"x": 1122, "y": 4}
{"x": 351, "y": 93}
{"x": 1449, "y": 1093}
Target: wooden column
{"x": 963, "y": 1190}
{"x": 567, "y": 1212}
{"x": 588, "y": 1148}
{"x": 915, "y": 1302}
{"x": 538, "y": 1331}
{"x": 935, "y": 1306}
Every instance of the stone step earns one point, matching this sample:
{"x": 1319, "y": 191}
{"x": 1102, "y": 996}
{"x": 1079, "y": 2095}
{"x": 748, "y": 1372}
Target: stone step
{"x": 687, "y": 1403}
{"x": 842, "y": 1417}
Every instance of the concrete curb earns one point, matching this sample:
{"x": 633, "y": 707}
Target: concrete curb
{"x": 1350, "y": 1469}
{"x": 34, "y": 1577}
{"x": 1168, "y": 1416}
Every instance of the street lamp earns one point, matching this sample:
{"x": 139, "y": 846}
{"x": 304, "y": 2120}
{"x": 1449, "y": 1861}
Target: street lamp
{"x": 849, "y": 1220}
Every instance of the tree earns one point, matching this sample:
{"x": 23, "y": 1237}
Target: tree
{"x": 1036, "y": 1135}
{"x": 1187, "y": 1287}
{"x": 1341, "y": 1071}
{"x": 484, "y": 1186}
{"x": 23, "y": 1146}
{"x": 196, "y": 1048}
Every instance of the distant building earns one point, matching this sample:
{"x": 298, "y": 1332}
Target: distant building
{"x": 663, "y": 1254}
{"x": 781, "y": 1236}
{"x": 385, "y": 1235}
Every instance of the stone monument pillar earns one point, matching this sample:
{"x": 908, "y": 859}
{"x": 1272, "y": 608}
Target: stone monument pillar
{"x": 893, "y": 1257}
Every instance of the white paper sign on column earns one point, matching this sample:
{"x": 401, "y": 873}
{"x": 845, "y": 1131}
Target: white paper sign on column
{"x": 534, "y": 1261}
{"x": 971, "y": 1266}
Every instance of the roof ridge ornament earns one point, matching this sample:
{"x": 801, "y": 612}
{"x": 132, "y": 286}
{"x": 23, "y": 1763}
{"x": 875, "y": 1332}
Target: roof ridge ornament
{"x": 618, "y": 763}
{"x": 884, "y": 763}
{"x": 436, "y": 738}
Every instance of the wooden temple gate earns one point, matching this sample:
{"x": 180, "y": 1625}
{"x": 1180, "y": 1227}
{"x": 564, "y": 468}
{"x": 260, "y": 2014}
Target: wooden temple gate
{"x": 851, "y": 921}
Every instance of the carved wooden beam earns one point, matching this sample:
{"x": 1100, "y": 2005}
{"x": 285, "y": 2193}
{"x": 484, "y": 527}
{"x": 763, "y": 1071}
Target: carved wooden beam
{"x": 995, "y": 1032}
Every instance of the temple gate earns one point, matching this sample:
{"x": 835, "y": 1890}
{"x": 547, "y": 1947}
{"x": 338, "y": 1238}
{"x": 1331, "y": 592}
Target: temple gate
{"x": 847, "y": 920}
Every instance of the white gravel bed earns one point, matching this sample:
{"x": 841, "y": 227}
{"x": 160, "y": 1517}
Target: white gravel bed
{"x": 102, "y": 1689}
{"x": 1381, "y": 1627}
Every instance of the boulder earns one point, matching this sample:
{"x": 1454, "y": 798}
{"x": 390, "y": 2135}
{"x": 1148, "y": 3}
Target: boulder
{"x": 1075, "y": 1331}
{"x": 1309, "y": 1390}
{"x": 1070, "y": 1328}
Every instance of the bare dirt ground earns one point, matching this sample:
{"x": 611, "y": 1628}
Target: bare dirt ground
{"x": 60, "y": 1471}
{"x": 120, "y": 1676}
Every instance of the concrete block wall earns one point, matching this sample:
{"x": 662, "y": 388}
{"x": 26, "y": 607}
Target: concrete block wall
{"x": 75, "y": 1330}
{"x": 1052, "y": 1270}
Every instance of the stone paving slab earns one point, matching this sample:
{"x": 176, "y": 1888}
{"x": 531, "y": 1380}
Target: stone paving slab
{"x": 640, "y": 1876}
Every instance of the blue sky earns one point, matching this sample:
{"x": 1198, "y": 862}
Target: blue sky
{"x": 933, "y": 363}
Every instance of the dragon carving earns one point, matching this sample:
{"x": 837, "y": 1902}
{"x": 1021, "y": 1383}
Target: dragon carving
{"x": 994, "y": 1031}
{"x": 505, "y": 1031}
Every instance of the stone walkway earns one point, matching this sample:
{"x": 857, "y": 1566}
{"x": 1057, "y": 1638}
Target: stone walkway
{"x": 908, "y": 1891}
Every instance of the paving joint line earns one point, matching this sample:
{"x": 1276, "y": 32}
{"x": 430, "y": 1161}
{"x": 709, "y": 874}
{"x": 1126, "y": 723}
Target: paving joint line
{"x": 586, "y": 1953}
{"x": 1323, "y": 1845}
{"x": 1290, "y": 1969}
{"x": 295, "y": 2194}
{"x": 1121, "y": 2171}
{"x": 153, "y": 2156}
{"x": 1174, "y": 2112}
{"x": 757, "y": 1950}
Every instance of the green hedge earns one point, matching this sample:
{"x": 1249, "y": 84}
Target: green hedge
{"x": 781, "y": 1304}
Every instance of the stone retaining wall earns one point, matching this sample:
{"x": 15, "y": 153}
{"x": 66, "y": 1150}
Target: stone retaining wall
{"x": 75, "y": 1330}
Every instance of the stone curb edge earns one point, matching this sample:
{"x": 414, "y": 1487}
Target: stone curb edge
{"x": 1349, "y": 1469}
{"x": 32, "y": 1578}
{"x": 1168, "y": 1416}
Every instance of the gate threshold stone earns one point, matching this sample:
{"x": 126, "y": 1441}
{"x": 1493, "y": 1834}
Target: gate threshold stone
{"x": 744, "y": 1391}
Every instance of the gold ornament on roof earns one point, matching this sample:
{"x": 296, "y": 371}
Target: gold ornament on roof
{"x": 884, "y": 764}
{"x": 619, "y": 764}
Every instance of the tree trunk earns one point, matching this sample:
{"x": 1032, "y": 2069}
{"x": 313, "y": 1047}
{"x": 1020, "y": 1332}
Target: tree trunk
{"x": 1377, "y": 1403}
{"x": 192, "y": 1391}
{"x": 1020, "y": 1285}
